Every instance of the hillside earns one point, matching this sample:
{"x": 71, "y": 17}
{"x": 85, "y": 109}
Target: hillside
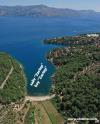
{"x": 15, "y": 106}
{"x": 42, "y": 10}
{"x": 12, "y": 88}
{"x": 11, "y": 74}
{"x": 77, "y": 80}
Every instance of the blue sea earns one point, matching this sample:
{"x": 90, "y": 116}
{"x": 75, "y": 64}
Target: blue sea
{"x": 22, "y": 38}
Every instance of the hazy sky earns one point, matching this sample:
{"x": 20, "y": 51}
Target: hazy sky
{"x": 73, "y": 4}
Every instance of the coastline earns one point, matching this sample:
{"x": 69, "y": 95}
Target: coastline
{"x": 83, "y": 66}
{"x": 39, "y": 98}
{"x": 22, "y": 72}
{"x": 25, "y": 78}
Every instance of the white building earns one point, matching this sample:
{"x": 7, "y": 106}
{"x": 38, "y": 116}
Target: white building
{"x": 92, "y": 35}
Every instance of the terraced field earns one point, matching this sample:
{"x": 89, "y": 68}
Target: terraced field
{"x": 45, "y": 113}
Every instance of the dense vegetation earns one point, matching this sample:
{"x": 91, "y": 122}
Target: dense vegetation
{"x": 14, "y": 88}
{"x": 77, "y": 80}
{"x": 82, "y": 39}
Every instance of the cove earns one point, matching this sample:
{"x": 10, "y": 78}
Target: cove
{"x": 22, "y": 38}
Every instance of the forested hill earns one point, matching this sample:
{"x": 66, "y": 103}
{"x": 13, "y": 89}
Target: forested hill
{"x": 12, "y": 89}
{"x": 77, "y": 80}
{"x": 42, "y": 10}
{"x": 12, "y": 80}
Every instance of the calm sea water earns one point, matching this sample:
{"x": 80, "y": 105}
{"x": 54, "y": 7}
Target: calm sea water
{"x": 22, "y": 37}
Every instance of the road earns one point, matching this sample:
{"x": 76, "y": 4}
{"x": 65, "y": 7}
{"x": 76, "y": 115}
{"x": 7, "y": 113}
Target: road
{"x": 7, "y": 77}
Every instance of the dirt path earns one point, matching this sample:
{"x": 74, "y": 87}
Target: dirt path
{"x": 25, "y": 115}
{"x": 7, "y": 77}
{"x": 87, "y": 69}
{"x": 39, "y": 98}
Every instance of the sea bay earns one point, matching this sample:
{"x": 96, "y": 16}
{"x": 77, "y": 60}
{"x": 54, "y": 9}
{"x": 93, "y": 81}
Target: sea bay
{"x": 22, "y": 38}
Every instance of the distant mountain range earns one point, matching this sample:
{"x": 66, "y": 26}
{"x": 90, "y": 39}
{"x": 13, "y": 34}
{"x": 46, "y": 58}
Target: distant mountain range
{"x": 42, "y": 10}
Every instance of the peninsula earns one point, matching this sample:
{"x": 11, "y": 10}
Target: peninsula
{"x": 81, "y": 39}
